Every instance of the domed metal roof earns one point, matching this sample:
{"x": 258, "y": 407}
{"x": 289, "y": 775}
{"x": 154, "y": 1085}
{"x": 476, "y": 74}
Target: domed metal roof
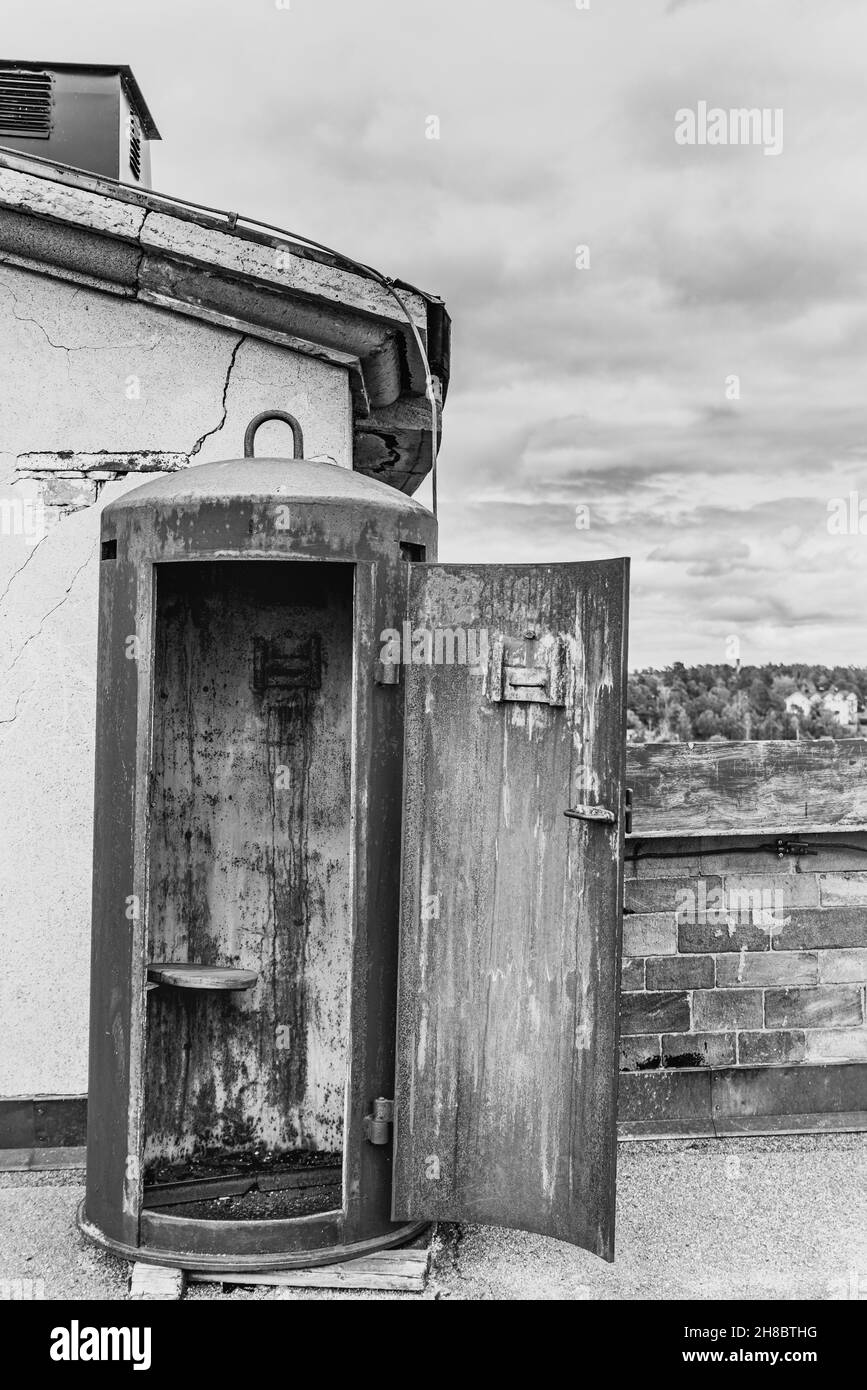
{"x": 258, "y": 479}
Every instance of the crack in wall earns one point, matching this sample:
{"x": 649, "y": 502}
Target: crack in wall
{"x": 82, "y": 347}
{"x": 21, "y": 568}
{"x": 34, "y": 635}
{"x": 216, "y": 430}
{"x": 18, "y": 698}
{"x": 120, "y": 463}
{"x": 142, "y": 253}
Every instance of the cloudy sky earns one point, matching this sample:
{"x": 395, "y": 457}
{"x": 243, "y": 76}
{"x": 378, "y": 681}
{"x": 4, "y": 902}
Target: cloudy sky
{"x": 700, "y": 386}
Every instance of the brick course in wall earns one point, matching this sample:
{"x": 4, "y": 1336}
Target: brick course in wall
{"x": 733, "y": 957}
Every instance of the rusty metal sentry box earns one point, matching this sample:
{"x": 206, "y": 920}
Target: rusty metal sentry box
{"x": 357, "y": 877}
{"x": 246, "y": 865}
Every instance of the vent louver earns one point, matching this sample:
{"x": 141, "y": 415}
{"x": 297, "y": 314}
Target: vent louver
{"x": 25, "y": 104}
{"x": 134, "y": 148}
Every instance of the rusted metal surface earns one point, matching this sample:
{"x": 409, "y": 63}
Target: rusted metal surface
{"x": 743, "y": 788}
{"x": 259, "y": 510}
{"x": 117, "y": 984}
{"x": 244, "y": 609}
{"x": 208, "y": 977}
{"x": 197, "y": 1189}
{"x": 250, "y": 856}
{"x": 510, "y": 921}
{"x": 264, "y": 1245}
{"x": 261, "y": 419}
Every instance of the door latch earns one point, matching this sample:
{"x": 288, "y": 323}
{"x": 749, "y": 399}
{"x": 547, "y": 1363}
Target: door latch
{"x": 592, "y": 813}
{"x": 533, "y": 671}
{"x": 377, "y": 1125}
{"x": 602, "y": 814}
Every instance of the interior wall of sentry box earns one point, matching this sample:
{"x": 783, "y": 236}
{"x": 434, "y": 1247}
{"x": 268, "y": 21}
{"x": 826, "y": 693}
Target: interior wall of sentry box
{"x": 250, "y": 856}
{"x": 744, "y": 979}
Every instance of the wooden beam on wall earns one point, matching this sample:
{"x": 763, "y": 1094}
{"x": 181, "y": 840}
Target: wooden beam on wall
{"x": 780, "y": 787}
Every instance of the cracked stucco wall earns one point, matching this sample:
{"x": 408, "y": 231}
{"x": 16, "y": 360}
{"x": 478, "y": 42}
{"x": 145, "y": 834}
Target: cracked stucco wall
{"x": 89, "y": 383}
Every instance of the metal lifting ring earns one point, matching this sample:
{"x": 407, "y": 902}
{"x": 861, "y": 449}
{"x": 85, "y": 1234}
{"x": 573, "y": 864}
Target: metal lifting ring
{"x": 250, "y": 435}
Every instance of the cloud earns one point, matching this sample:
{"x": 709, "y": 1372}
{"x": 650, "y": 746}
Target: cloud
{"x": 611, "y": 386}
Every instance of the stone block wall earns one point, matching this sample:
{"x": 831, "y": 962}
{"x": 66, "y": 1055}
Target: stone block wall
{"x": 736, "y": 958}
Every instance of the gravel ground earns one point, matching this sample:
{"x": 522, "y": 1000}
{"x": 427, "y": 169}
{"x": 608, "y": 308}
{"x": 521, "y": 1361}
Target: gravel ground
{"x": 734, "y": 1218}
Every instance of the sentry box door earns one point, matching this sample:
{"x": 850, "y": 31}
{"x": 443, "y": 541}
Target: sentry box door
{"x": 514, "y": 809}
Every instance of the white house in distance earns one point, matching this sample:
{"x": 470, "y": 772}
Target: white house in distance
{"x": 799, "y": 704}
{"x": 842, "y": 704}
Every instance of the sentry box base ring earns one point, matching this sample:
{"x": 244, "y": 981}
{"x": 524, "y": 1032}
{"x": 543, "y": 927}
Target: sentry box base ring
{"x": 229, "y": 1263}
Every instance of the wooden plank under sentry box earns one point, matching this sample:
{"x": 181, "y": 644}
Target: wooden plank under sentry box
{"x": 771, "y": 788}
{"x": 389, "y": 1271}
{"x": 156, "y": 1282}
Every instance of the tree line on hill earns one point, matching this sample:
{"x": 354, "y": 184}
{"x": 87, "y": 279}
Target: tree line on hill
{"x": 703, "y": 703}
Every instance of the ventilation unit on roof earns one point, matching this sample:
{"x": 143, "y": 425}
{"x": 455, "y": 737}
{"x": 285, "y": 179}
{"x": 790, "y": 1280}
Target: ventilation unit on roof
{"x": 25, "y": 104}
{"x": 134, "y": 147}
{"x": 87, "y": 115}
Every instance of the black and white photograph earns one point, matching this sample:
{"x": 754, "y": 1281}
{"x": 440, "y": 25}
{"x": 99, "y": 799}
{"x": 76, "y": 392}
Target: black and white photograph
{"x": 433, "y": 676}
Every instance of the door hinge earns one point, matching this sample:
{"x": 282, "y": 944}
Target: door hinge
{"x": 377, "y": 1125}
{"x": 387, "y": 673}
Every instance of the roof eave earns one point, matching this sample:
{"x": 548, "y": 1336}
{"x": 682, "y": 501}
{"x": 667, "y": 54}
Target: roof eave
{"x": 201, "y": 263}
